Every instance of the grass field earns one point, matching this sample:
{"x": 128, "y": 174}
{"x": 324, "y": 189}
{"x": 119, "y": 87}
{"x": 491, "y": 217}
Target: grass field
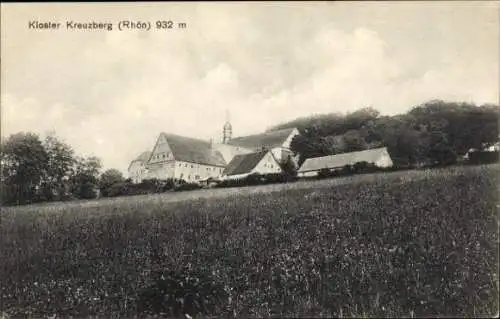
{"x": 416, "y": 243}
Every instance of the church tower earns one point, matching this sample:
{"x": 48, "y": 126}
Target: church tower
{"x": 227, "y": 130}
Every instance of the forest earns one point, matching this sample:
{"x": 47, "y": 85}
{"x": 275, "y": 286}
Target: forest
{"x": 433, "y": 133}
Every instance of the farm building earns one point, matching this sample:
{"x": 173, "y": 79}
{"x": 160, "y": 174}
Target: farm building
{"x": 262, "y": 162}
{"x": 277, "y": 142}
{"x": 195, "y": 160}
{"x": 311, "y": 166}
{"x": 186, "y": 158}
{"x": 137, "y": 169}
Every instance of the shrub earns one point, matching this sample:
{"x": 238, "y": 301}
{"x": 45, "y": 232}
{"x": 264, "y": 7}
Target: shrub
{"x": 165, "y": 185}
{"x": 254, "y": 179}
{"x": 258, "y": 179}
{"x": 324, "y": 173}
{"x": 187, "y": 187}
{"x": 481, "y": 157}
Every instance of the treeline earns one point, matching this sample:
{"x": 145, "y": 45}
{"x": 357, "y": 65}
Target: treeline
{"x": 35, "y": 170}
{"x": 258, "y": 179}
{"x": 112, "y": 185}
{"x": 434, "y": 133}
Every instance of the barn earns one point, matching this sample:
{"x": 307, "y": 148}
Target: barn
{"x": 241, "y": 166}
{"x": 380, "y": 157}
{"x": 278, "y": 142}
{"x": 137, "y": 169}
{"x": 185, "y": 158}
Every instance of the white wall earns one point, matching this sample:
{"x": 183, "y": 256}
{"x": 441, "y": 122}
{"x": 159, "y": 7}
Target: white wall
{"x": 384, "y": 160}
{"x": 267, "y": 165}
{"x": 161, "y": 151}
{"x": 285, "y": 147}
{"x": 228, "y": 152}
{"x": 137, "y": 171}
{"x": 277, "y": 152}
{"x": 288, "y": 141}
{"x": 191, "y": 172}
{"x": 163, "y": 170}
{"x": 308, "y": 174}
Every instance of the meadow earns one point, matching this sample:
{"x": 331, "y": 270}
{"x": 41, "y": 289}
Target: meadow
{"x": 402, "y": 244}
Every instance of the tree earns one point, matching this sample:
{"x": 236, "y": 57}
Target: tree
{"x": 353, "y": 141}
{"x": 59, "y": 167}
{"x": 289, "y": 167}
{"x": 440, "y": 150}
{"x": 24, "y": 161}
{"x": 109, "y": 178}
{"x": 85, "y": 177}
{"x": 359, "y": 118}
{"x": 306, "y": 147}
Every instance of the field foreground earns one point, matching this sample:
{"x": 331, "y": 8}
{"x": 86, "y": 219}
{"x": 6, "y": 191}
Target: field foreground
{"x": 420, "y": 243}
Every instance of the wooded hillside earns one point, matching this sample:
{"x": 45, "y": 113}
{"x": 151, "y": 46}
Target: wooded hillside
{"x": 435, "y": 132}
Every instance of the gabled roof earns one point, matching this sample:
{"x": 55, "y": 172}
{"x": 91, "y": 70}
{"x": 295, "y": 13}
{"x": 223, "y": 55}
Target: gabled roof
{"x": 193, "y": 150}
{"x": 268, "y": 139}
{"x": 143, "y": 158}
{"x": 340, "y": 160}
{"x": 244, "y": 163}
{"x": 230, "y": 151}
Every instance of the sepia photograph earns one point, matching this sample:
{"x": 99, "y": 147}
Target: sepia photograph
{"x": 281, "y": 159}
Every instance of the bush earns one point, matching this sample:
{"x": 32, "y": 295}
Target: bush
{"x": 165, "y": 185}
{"x": 258, "y": 179}
{"x": 254, "y": 179}
{"x": 324, "y": 173}
{"x": 348, "y": 170}
{"x": 187, "y": 187}
{"x": 118, "y": 189}
{"x": 147, "y": 186}
{"x": 481, "y": 157}
{"x": 365, "y": 167}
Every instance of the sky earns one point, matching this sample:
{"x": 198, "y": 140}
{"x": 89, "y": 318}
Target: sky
{"x": 110, "y": 93}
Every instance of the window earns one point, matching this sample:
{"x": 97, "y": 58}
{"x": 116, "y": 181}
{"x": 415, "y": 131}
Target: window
{"x": 189, "y": 177}
{"x": 197, "y": 177}
{"x": 163, "y": 155}
{"x": 185, "y": 165}
{"x": 192, "y": 166}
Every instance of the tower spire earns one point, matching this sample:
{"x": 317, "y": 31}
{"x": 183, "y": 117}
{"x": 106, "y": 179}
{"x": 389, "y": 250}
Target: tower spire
{"x": 227, "y": 130}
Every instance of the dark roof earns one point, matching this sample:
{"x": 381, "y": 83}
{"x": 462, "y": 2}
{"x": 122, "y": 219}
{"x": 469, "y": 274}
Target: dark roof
{"x": 193, "y": 150}
{"x": 268, "y": 139}
{"x": 244, "y": 163}
{"x": 339, "y": 160}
